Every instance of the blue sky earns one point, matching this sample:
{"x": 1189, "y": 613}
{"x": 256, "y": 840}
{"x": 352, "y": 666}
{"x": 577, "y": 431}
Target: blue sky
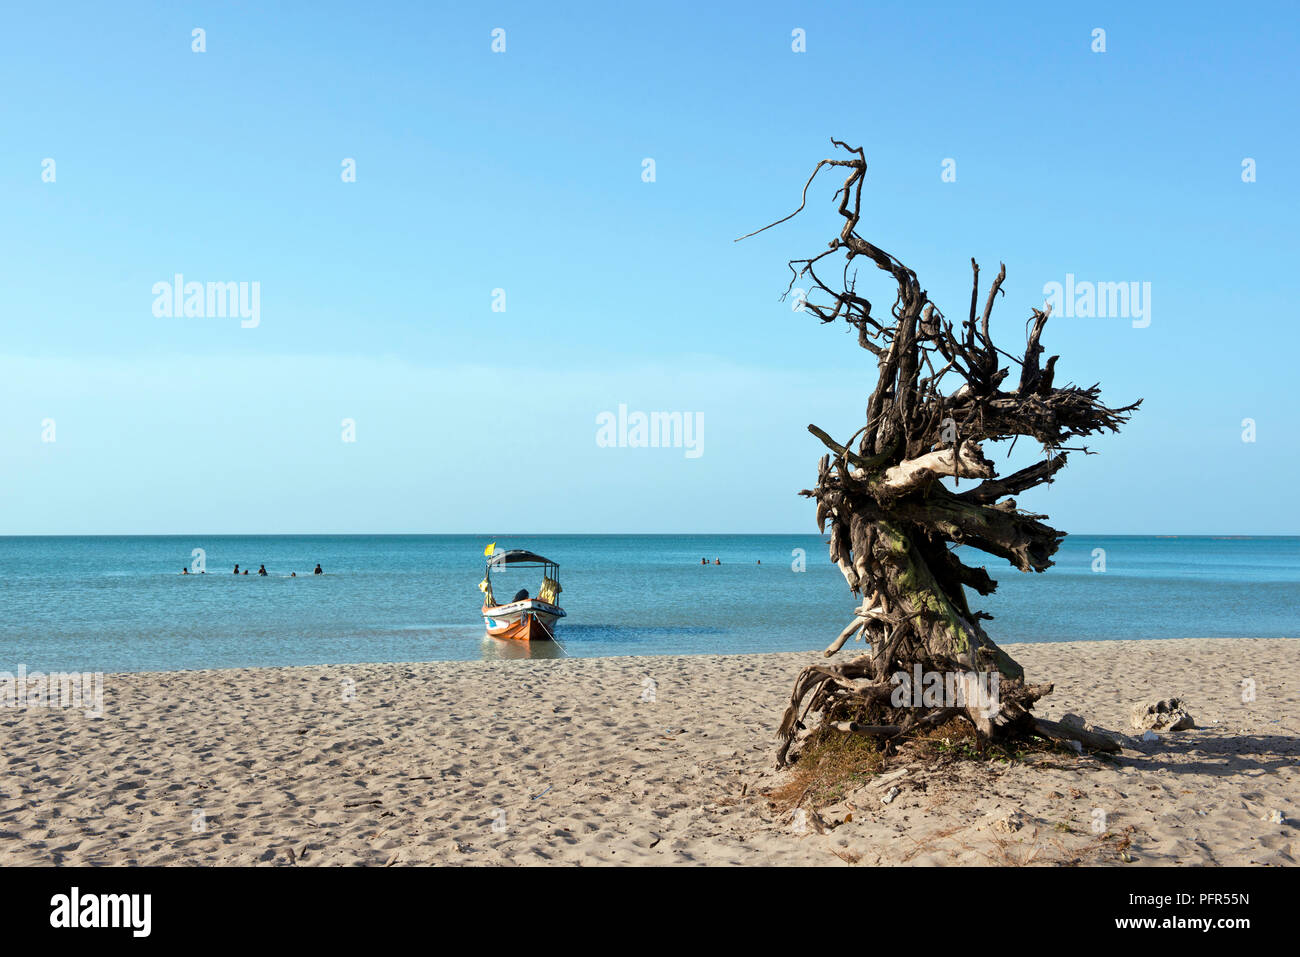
{"x": 522, "y": 171}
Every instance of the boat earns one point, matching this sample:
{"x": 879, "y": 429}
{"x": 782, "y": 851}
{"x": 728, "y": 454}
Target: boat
{"x": 523, "y": 617}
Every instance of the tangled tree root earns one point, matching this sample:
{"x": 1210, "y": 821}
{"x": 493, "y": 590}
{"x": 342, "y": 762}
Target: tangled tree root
{"x": 894, "y": 526}
{"x": 851, "y": 700}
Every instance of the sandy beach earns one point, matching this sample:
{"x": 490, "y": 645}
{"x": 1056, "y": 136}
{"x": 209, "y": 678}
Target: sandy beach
{"x": 647, "y": 760}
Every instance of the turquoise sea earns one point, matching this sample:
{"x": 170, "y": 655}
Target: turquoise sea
{"x": 119, "y": 603}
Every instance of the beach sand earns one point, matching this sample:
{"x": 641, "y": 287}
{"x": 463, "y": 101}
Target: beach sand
{"x": 646, "y": 760}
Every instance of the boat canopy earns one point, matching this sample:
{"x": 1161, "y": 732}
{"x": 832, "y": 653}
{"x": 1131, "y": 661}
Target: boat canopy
{"x": 519, "y": 556}
{"x": 550, "y": 590}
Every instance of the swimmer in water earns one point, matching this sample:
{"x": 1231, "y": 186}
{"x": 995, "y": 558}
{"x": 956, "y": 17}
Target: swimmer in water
{"x": 318, "y": 571}
{"x": 293, "y": 574}
{"x": 717, "y": 561}
{"x": 236, "y": 569}
{"x": 185, "y": 571}
{"x": 245, "y": 571}
{"x": 262, "y": 570}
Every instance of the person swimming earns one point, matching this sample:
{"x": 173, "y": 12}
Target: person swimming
{"x": 717, "y": 561}
{"x": 704, "y": 561}
{"x": 185, "y": 571}
{"x": 245, "y": 571}
{"x": 262, "y": 570}
{"x": 293, "y": 574}
{"x": 318, "y": 570}
{"x": 236, "y": 569}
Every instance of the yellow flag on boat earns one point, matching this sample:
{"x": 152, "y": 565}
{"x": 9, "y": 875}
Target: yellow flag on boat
{"x": 490, "y": 549}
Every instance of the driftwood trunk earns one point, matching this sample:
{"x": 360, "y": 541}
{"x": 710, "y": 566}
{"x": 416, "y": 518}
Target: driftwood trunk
{"x": 893, "y": 524}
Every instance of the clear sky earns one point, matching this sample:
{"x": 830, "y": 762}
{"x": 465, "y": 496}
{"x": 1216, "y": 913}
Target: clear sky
{"x": 523, "y": 171}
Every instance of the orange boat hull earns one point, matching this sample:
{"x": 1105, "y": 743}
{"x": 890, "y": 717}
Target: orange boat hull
{"x": 528, "y": 620}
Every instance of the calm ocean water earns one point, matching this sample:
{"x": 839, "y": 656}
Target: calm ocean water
{"x": 119, "y": 604}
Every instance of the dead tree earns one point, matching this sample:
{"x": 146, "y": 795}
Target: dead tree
{"x": 893, "y": 522}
